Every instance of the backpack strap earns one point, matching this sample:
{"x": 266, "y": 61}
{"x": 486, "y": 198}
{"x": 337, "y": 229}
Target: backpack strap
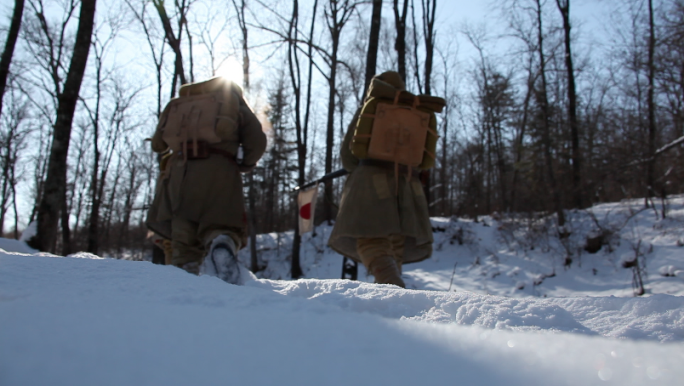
{"x": 428, "y": 152}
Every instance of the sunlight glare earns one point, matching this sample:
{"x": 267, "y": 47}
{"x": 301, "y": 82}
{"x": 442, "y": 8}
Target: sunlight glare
{"x": 231, "y": 69}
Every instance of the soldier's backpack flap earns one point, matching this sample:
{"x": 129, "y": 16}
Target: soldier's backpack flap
{"x": 401, "y": 129}
{"x": 191, "y": 118}
{"x": 204, "y": 111}
{"x": 398, "y": 134}
{"x": 381, "y": 89}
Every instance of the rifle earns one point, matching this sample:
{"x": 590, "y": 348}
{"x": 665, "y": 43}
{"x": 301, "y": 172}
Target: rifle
{"x": 349, "y": 266}
{"x": 329, "y": 176}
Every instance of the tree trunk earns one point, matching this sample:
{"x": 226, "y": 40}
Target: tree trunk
{"x": 429, "y": 36}
{"x": 9, "y": 161}
{"x": 127, "y": 208}
{"x": 66, "y": 231}
{"x": 400, "y": 42}
{"x": 94, "y": 218}
{"x": 546, "y": 130}
{"x": 240, "y": 10}
{"x": 416, "y": 69}
{"x": 48, "y": 211}
{"x": 520, "y": 140}
{"x": 651, "y": 180}
{"x": 329, "y": 139}
{"x": 295, "y": 77}
{"x": 14, "y": 206}
{"x": 174, "y": 42}
{"x": 429, "y": 8}
{"x": 336, "y": 20}
{"x": 564, "y": 8}
{"x": 372, "y": 57}
{"x": 251, "y": 216}
{"x": 8, "y": 52}
{"x": 444, "y": 163}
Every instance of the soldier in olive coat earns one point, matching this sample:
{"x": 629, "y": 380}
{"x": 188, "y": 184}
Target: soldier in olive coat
{"x": 383, "y": 219}
{"x": 201, "y": 200}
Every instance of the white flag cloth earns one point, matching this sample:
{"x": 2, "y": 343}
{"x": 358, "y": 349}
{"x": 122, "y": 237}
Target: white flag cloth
{"x": 306, "y": 200}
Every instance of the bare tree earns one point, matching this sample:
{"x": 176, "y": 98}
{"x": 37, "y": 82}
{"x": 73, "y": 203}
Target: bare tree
{"x": 135, "y": 173}
{"x": 276, "y": 163}
{"x": 524, "y": 32}
{"x": 8, "y": 52}
{"x": 495, "y": 100}
{"x": 13, "y": 134}
{"x": 157, "y": 57}
{"x": 210, "y": 34}
{"x": 56, "y": 174}
{"x": 98, "y": 174}
{"x": 174, "y": 41}
{"x": 400, "y": 42}
{"x": 671, "y": 64}
{"x": 78, "y": 188}
{"x": 428, "y": 18}
{"x": 429, "y": 11}
{"x": 337, "y": 14}
{"x": 251, "y": 215}
{"x": 564, "y": 8}
{"x": 242, "y": 22}
{"x": 372, "y": 57}
{"x": 295, "y": 79}
{"x": 447, "y": 57}
{"x": 650, "y": 179}
{"x": 416, "y": 46}
{"x": 545, "y": 119}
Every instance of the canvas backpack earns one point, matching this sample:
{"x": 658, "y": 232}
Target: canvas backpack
{"x": 204, "y": 112}
{"x": 397, "y": 126}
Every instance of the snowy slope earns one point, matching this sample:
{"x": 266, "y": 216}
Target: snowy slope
{"x": 521, "y": 256}
{"x": 75, "y": 321}
{"x": 85, "y": 320}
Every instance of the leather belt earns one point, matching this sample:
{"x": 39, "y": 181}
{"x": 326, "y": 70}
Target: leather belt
{"x": 224, "y": 153}
{"x": 389, "y": 165}
{"x": 203, "y": 151}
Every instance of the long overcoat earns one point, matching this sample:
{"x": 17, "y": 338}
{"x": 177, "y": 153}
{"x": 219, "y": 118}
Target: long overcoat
{"x": 207, "y": 190}
{"x": 376, "y": 202}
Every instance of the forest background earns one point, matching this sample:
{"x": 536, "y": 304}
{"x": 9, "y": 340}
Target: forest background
{"x": 552, "y": 105}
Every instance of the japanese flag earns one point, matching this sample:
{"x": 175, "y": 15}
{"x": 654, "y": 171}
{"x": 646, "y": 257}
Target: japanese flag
{"x": 307, "y": 203}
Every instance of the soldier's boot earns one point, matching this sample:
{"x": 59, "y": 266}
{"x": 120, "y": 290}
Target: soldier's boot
{"x": 397, "y": 242}
{"x": 378, "y": 256}
{"x": 385, "y": 270}
{"x": 168, "y": 252}
{"x": 221, "y": 261}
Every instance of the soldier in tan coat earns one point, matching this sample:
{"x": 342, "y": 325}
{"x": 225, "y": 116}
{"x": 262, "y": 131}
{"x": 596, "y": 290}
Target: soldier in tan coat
{"x": 200, "y": 205}
{"x": 383, "y": 217}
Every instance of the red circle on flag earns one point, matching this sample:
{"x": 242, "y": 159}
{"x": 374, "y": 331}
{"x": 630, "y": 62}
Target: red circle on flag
{"x": 305, "y": 211}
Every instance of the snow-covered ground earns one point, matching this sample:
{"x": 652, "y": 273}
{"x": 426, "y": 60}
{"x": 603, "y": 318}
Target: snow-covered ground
{"x": 495, "y": 305}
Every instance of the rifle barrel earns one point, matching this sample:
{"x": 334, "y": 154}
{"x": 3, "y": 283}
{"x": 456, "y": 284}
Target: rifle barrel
{"x": 329, "y": 176}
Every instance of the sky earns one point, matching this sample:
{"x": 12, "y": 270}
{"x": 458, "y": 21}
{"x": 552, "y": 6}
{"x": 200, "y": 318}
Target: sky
{"x": 587, "y": 17}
